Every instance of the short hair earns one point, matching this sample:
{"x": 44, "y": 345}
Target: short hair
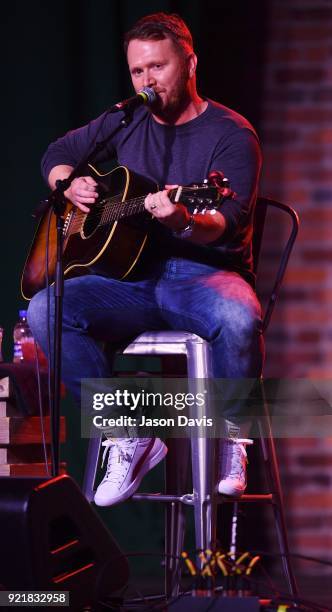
{"x": 159, "y": 26}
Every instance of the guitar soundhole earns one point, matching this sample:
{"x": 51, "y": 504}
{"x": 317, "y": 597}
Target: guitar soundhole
{"x": 92, "y": 221}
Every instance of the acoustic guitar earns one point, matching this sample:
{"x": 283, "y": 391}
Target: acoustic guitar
{"x": 111, "y": 237}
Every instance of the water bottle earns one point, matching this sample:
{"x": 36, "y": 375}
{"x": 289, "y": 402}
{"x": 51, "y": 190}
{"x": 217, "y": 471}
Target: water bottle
{"x": 21, "y": 334}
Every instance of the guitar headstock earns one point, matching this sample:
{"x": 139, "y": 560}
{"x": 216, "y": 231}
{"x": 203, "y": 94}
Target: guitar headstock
{"x": 208, "y": 195}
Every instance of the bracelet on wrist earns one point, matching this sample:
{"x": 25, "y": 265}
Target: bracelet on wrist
{"x": 186, "y": 231}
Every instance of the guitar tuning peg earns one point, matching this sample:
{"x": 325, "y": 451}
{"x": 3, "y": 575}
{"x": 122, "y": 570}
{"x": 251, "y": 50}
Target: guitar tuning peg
{"x": 216, "y": 178}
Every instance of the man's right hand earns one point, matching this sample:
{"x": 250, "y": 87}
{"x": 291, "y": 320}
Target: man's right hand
{"x": 82, "y": 191}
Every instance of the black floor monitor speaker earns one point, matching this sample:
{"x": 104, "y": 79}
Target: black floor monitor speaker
{"x": 52, "y": 539}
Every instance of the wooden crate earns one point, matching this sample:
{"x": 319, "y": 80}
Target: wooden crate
{"x": 21, "y": 442}
{"x": 27, "y": 430}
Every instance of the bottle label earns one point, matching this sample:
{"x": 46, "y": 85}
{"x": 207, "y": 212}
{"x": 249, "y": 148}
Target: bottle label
{"x": 18, "y": 355}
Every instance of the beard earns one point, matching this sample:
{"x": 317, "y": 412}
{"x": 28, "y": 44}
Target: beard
{"x": 176, "y": 102}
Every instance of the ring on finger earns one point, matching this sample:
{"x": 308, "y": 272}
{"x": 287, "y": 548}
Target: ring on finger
{"x": 153, "y": 206}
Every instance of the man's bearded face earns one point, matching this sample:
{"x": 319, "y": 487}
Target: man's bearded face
{"x": 161, "y": 65}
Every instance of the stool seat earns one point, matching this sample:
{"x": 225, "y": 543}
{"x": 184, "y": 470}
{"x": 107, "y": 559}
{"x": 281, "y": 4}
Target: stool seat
{"x": 168, "y": 337}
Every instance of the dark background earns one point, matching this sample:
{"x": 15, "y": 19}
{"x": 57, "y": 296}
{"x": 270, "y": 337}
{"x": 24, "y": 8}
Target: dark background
{"x": 63, "y": 65}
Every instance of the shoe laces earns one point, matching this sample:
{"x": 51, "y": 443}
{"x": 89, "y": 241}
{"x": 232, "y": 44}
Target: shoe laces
{"x": 119, "y": 457}
{"x": 237, "y": 455}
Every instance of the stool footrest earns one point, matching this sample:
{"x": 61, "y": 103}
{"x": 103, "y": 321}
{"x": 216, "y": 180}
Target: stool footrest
{"x": 162, "y": 497}
{"x": 188, "y": 498}
{"x": 265, "y": 497}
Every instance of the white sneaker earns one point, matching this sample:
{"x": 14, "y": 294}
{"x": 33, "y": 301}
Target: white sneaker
{"x": 129, "y": 460}
{"x": 233, "y": 466}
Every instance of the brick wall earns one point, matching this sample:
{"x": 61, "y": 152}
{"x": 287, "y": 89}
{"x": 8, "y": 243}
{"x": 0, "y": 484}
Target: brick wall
{"x": 297, "y": 144}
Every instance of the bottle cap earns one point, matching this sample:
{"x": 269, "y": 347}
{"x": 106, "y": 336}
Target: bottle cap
{"x": 22, "y": 313}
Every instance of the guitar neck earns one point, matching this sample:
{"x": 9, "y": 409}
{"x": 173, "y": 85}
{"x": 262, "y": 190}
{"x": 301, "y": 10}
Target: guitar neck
{"x": 114, "y": 210}
{"x": 111, "y": 209}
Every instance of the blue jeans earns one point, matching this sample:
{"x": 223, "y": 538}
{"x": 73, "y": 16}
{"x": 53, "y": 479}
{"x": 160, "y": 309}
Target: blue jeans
{"x": 217, "y": 305}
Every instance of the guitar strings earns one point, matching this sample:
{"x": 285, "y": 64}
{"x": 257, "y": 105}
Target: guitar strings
{"x": 107, "y": 211}
{"x": 110, "y": 209}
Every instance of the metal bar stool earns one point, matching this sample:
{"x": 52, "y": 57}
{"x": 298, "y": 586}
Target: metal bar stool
{"x": 204, "y": 498}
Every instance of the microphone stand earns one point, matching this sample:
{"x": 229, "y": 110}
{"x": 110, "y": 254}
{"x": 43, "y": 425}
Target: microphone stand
{"x": 57, "y": 202}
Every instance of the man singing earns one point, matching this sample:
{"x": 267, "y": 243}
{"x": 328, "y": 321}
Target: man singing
{"x": 196, "y": 275}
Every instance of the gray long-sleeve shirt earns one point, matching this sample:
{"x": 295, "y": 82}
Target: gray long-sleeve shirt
{"x": 218, "y": 139}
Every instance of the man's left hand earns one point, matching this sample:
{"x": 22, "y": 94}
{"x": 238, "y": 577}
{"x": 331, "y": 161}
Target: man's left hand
{"x": 175, "y": 216}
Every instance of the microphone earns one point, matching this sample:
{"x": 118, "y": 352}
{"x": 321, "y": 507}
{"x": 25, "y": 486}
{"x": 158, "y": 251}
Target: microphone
{"x": 145, "y": 96}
